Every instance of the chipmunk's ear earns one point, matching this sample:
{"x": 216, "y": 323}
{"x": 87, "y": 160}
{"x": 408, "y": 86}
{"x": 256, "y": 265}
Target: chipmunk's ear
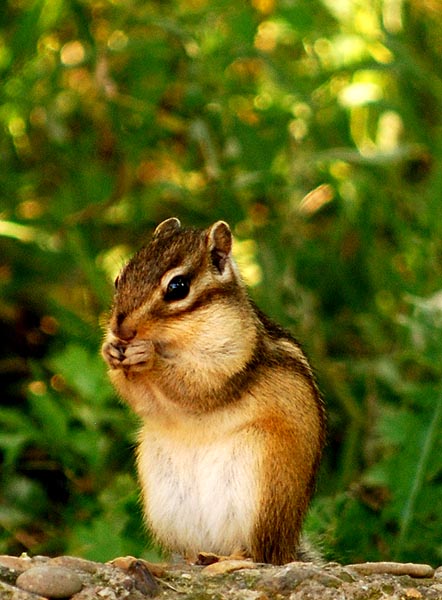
{"x": 167, "y": 227}
{"x": 220, "y": 244}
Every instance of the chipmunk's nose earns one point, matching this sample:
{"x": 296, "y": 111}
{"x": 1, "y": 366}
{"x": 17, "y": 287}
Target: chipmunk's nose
{"x": 122, "y": 330}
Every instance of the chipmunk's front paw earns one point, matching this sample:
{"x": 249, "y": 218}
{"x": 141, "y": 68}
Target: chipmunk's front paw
{"x": 136, "y": 355}
{"x": 113, "y": 353}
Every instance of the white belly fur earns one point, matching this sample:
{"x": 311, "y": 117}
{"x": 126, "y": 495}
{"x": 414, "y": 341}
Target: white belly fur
{"x": 200, "y": 489}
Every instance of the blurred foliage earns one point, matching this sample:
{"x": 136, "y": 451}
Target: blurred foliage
{"x": 312, "y": 126}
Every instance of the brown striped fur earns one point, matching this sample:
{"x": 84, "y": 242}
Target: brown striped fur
{"x": 232, "y": 419}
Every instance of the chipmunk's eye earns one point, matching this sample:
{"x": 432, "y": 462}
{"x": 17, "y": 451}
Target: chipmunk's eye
{"x": 117, "y": 279}
{"x": 177, "y": 289}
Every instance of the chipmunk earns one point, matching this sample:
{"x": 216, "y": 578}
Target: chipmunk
{"x": 232, "y": 419}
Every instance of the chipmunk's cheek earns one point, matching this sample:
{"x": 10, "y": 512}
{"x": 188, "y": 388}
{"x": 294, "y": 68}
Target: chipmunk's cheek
{"x": 164, "y": 350}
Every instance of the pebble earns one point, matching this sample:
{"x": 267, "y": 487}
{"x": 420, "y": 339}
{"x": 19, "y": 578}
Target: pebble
{"x": 53, "y": 582}
{"x": 75, "y": 563}
{"x": 143, "y": 578}
{"x": 413, "y": 593}
{"x": 15, "y": 563}
{"x": 125, "y": 562}
{"x": 228, "y": 566}
{"x": 393, "y": 568}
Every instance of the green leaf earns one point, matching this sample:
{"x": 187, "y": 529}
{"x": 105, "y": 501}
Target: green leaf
{"x": 84, "y": 372}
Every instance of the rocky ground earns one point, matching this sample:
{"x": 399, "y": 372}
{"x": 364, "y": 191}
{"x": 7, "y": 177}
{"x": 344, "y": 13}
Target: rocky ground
{"x": 41, "y": 577}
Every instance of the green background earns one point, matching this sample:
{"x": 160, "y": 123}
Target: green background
{"x": 315, "y": 129}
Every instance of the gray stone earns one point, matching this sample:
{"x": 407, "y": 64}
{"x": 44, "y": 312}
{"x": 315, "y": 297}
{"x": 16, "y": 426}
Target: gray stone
{"x": 76, "y": 564}
{"x": 52, "y": 582}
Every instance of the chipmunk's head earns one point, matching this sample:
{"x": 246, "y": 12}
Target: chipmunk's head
{"x": 180, "y": 271}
